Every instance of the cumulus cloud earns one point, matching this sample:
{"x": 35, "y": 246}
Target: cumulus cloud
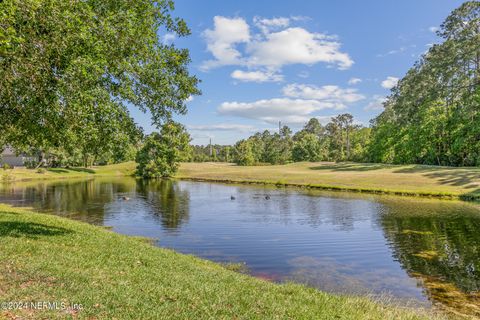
{"x": 332, "y": 94}
{"x": 256, "y": 76}
{"x": 297, "y": 46}
{"x": 222, "y": 40}
{"x": 278, "y": 44}
{"x": 354, "y": 81}
{"x": 278, "y": 109}
{"x": 298, "y": 104}
{"x": 390, "y": 82}
{"x": 375, "y": 104}
{"x": 267, "y": 25}
{"x": 222, "y": 127}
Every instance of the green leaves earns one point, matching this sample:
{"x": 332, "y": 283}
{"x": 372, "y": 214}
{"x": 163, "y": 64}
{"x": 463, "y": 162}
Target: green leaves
{"x": 425, "y": 116}
{"x": 161, "y": 153}
{"x": 68, "y": 70}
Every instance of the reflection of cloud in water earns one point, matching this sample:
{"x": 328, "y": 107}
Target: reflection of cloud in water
{"x": 329, "y": 275}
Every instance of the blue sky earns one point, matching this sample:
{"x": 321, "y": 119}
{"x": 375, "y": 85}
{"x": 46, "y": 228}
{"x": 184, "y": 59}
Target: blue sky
{"x": 261, "y": 62}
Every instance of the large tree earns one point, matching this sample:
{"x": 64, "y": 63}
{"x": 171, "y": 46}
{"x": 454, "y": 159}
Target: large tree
{"x": 432, "y": 116}
{"x": 68, "y": 68}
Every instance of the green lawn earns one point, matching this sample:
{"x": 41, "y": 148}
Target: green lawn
{"x": 22, "y": 174}
{"x": 48, "y": 258}
{"x": 415, "y": 180}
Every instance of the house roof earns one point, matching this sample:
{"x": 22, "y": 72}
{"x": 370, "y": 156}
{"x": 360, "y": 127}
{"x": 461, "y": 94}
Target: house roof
{"x": 8, "y": 151}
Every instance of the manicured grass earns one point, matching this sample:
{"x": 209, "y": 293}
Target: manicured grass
{"x": 413, "y": 180}
{"x": 48, "y": 258}
{"x": 21, "y": 174}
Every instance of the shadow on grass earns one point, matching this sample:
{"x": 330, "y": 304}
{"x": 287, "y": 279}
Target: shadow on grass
{"x": 63, "y": 170}
{"x": 57, "y": 170}
{"x": 471, "y": 196}
{"x": 351, "y": 167}
{"x": 468, "y": 178}
{"x": 29, "y": 229}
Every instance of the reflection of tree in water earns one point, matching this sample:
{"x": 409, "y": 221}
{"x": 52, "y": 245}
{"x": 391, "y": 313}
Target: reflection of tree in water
{"x": 169, "y": 201}
{"x": 438, "y": 244}
{"x": 81, "y": 199}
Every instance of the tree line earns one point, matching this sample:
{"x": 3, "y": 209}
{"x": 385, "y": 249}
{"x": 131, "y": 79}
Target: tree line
{"x": 69, "y": 73}
{"x": 339, "y": 140}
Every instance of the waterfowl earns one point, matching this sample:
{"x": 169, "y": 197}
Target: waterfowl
{"x": 232, "y": 198}
{"x": 125, "y": 198}
{"x": 267, "y": 197}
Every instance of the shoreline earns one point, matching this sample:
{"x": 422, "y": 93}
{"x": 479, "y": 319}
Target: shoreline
{"x": 118, "y": 276}
{"x": 298, "y": 175}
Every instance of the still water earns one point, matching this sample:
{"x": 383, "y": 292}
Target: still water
{"x": 425, "y": 252}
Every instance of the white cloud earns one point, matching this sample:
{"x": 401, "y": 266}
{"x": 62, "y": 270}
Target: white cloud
{"x": 267, "y": 25}
{"x": 256, "y": 76}
{"x": 332, "y": 94}
{"x": 292, "y": 111}
{"x": 221, "y": 41}
{"x": 354, "y": 81}
{"x": 433, "y": 29}
{"x": 222, "y": 127}
{"x": 296, "y": 46}
{"x": 395, "y": 51}
{"x": 303, "y": 74}
{"x": 390, "y": 82}
{"x": 231, "y": 42}
{"x": 375, "y": 104}
{"x": 168, "y": 38}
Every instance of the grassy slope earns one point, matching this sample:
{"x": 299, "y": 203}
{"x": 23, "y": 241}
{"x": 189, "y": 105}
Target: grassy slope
{"x": 19, "y": 174}
{"x": 407, "y": 179}
{"x": 47, "y": 258}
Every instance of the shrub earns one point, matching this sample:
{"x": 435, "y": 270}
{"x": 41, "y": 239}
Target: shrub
{"x": 162, "y": 151}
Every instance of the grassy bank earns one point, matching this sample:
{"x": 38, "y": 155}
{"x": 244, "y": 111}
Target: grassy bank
{"x": 47, "y": 258}
{"x": 23, "y": 174}
{"x": 412, "y": 180}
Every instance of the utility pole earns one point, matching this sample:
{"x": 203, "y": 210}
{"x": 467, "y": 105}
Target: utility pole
{"x": 211, "y": 150}
{"x": 279, "y": 127}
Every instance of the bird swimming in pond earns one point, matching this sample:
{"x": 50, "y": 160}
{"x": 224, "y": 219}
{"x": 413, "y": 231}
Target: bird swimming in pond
{"x": 267, "y": 197}
{"x": 232, "y": 198}
{"x": 125, "y": 198}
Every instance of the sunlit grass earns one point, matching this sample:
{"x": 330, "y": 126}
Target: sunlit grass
{"x": 21, "y": 173}
{"x": 48, "y": 258}
{"x": 410, "y": 180}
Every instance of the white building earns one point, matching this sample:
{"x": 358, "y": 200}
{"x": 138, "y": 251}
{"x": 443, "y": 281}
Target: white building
{"x": 10, "y": 157}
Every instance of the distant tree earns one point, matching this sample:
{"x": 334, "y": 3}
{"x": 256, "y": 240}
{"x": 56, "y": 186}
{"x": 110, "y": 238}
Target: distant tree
{"x": 339, "y": 130}
{"x": 243, "y": 153}
{"x": 314, "y": 126}
{"x": 162, "y": 152}
{"x": 308, "y": 148}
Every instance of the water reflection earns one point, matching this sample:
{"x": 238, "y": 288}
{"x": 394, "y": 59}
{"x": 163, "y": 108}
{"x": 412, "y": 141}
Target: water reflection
{"x": 170, "y": 201}
{"x": 425, "y": 250}
{"x": 439, "y": 247}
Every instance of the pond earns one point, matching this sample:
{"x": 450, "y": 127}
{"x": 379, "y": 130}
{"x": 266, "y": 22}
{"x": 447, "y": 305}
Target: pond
{"x": 420, "y": 251}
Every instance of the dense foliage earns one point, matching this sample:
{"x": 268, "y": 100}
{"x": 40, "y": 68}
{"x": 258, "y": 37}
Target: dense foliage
{"x": 69, "y": 69}
{"x": 339, "y": 140}
{"x": 161, "y": 152}
{"x": 433, "y": 114}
